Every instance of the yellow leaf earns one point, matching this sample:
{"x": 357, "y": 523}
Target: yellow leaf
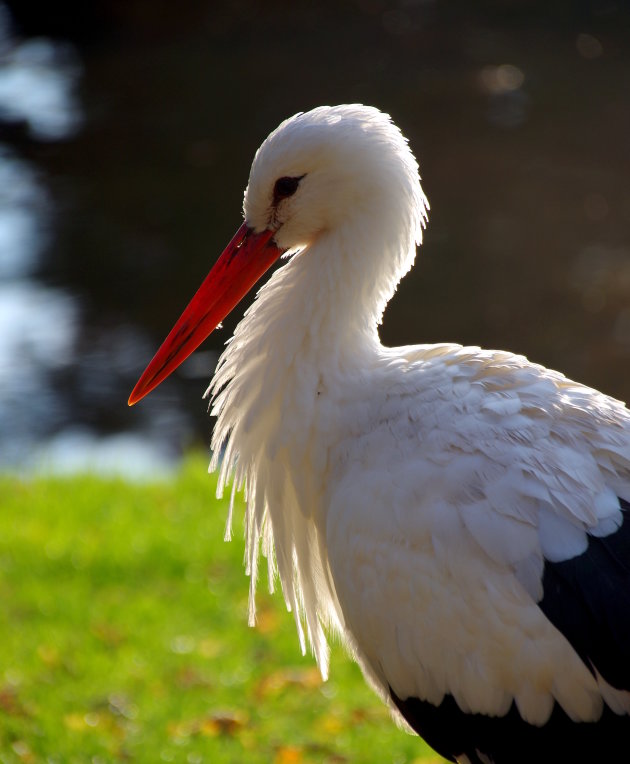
{"x": 179, "y": 729}
{"x": 49, "y": 654}
{"x": 75, "y": 722}
{"x": 308, "y": 678}
{"x": 227, "y": 723}
{"x": 331, "y": 725}
{"x": 209, "y": 728}
{"x": 267, "y": 620}
{"x": 224, "y": 723}
{"x": 289, "y": 755}
{"x": 210, "y": 648}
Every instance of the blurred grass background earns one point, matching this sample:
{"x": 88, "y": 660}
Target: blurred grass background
{"x": 125, "y": 638}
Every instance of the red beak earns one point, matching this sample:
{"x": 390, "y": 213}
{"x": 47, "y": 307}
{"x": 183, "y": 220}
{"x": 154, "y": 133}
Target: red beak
{"x": 242, "y": 263}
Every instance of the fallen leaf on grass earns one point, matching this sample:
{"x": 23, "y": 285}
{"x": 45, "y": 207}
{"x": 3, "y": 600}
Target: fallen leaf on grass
{"x": 49, "y": 655}
{"x": 188, "y": 677}
{"x": 108, "y": 634}
{"x": 209, "y": 647}
{"x": 330, "y": 724}
{"x": 267, "y": 619}
{"x": 308, "y": 678}
{"x": 22, "y": 750}
{"x": 225, "y": 723}
{"x": 369, "y": 715}
{"x": 75, "y": 722}
{"x": 290, "y": 754}
{"x": 228, "y": 723}
{"x": 54, "y": 659}
{"x": 10, "y": 704}
{"x": 94, "y": 721}
{"x": 119, "y": 704}
{"x": 294, "y": 754}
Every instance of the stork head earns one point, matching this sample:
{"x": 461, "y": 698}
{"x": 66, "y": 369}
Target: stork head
{"x": 326, "y": 168}
{"x": 318, "y": 172}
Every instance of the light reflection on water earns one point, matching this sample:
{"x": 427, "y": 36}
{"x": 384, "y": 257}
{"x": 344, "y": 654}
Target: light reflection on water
{"x": 39, "y": 324}
{"x": 37, "y": 331}
{"x": 24, "y": 213}
{"x": 76, "y": 450}
{"x": 38, "y": 85}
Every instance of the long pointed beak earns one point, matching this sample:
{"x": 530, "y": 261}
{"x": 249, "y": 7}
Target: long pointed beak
{"x": 242, "y": 263}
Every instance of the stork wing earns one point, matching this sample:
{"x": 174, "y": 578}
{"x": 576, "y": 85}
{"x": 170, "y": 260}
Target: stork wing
{"x": 480, "y": 547}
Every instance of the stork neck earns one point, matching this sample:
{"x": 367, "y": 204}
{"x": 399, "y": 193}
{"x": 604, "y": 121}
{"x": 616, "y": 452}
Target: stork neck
{"x": 334, "y": 292}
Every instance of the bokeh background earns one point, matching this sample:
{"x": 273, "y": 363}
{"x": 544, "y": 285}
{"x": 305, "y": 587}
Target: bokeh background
{"x": 126, "y": 134}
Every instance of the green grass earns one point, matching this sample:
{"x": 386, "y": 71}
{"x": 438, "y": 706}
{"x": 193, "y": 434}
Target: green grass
{"x": 123, "y": 618}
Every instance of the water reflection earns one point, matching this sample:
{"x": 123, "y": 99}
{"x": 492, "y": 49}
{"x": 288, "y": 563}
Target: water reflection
{"x": 38, "y": 84}
{"x": 76, "y": 450}
{"x": 46, "y": 374}
{"x": 24, "y": 213}
{"x": 37, "y": 332}
{"x": 508, "y": 103}
{"x": 37, "y": 323}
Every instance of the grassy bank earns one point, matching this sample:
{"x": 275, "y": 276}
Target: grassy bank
{"x": 123, "y": 623}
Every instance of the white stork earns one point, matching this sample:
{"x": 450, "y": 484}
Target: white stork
{"x": 457, "y": 515}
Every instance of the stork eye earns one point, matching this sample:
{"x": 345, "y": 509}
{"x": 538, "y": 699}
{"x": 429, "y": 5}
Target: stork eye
{"x": 285, "y": 187}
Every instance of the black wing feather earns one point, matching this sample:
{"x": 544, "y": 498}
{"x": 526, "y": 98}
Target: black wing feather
{"x": 587, "y": 598}
{"x": 510, "y": 740}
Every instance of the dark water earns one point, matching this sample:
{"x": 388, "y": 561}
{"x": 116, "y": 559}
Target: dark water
{"x": 126, "y": 135}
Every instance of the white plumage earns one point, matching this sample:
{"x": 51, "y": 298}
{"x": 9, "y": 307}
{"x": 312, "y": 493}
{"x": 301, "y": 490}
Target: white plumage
{"x": 421, "y": 501}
